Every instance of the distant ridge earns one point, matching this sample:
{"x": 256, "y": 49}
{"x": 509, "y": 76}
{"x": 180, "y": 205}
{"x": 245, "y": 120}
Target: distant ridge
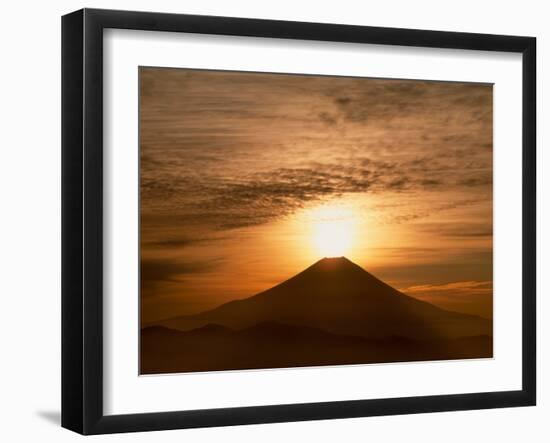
{"x": 277, "y": 345}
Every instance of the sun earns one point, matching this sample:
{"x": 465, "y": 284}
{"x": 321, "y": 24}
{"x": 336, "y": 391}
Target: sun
{"x": 332, "y": 239}
{"x": 333, "y": 231}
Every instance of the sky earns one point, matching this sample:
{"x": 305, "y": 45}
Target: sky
{"x": 246, "y": 179}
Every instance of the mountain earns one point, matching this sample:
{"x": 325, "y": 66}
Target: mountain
{"x": 339, "y": 297}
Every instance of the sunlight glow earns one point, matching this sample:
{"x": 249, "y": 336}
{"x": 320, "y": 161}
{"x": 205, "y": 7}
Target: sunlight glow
{"x": 333, "y": 231}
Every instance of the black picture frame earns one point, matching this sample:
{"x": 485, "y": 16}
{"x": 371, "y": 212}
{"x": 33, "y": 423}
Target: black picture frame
{"x": 82, "y": 219}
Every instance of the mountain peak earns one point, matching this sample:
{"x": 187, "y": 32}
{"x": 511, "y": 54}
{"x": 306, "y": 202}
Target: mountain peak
{"x": 333, "y": 263}
{"x": 329, "y": 274}
{"x": 340, "y": 260}
{"x": 334, "y": 259}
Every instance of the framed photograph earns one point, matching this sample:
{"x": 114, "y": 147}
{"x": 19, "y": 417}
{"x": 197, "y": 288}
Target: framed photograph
{"x": 268, "y": 221}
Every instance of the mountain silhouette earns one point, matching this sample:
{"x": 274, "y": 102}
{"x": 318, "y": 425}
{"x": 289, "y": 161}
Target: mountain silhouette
{"x": 277, "y": 345}
{"x": 339, "y": 297}
{"x": 332, "y": 313}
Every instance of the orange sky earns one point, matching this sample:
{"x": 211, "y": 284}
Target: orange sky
{"x": 248, "y": 178}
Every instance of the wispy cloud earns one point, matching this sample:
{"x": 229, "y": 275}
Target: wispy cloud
{"x": 472, "y": 297}
{"x": 461, "y": 287}
{"x": 241, "y": 149}
{"x": 163, "y": 270}
{"x": 256, "y": 198}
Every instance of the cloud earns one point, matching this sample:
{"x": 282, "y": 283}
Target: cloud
{"x": 328, "y": 118}
{"x": 408, "y": 267}
{"x": 480, "y": 179}
{"x": 464, "y": 230}
{"x": 431, "y": 183}
{"x": 161, "y": 270}
{"x": 454, "y": 288}
{"x": 470, "y": 297}
{"x": 353, "y": 111}
{"x": 169, "y": 241}
{"x": 462, "y": 233}
{"x": 378, "y": 99}
{"x": 258, "y": 197}
{"x": 233, "y": 149}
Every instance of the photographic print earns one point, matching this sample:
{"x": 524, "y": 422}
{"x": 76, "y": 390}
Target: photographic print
{"x": 292, "y": 220}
